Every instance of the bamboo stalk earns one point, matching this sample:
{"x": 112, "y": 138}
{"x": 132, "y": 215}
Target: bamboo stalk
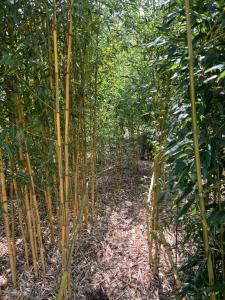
{"x": 153, "y": 212}
{"x": 74, "y": 235}
{"x": 29, "y": 214}
{"x": 6, "y": 220}
{"x": 76, "y": 180}
{"x": 196, "y": 149}
{"x": 63, "y": 221}
{"x": 33, "y": 197}
{"x": 48, "y": 200}
{"x": 82, "y": 132}
{"x": 93, "y": 151}
{"x": 56, "y": 194}
{"x": 76, "y": 149}
{"x": 33, "y": 219}
{"x": 170, "y": 258}
{"x": 20, "y": 216}
{"x": 37, "y": 215}
{"x": 67, "y": 119}
{"x": 32, "y": 234}
{"x": 18, "y": 196}
{"x": 12, "y": 209}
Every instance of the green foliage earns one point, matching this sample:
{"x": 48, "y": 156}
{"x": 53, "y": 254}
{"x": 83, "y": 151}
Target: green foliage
{"x": 208, "y": 21}
{"x": 146, "y": 83}
{"x": 143, "y": 85}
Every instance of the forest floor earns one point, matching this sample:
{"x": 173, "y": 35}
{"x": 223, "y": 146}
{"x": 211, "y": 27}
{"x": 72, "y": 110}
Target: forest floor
{"x": 111, "y": 255}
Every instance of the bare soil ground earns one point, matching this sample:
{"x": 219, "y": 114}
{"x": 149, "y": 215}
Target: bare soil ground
{"x": 111, "y": 255}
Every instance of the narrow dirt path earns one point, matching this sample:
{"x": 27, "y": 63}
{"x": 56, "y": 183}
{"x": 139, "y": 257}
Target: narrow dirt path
{"x": 113, "y": 251}
{"x": 111, "y": 261}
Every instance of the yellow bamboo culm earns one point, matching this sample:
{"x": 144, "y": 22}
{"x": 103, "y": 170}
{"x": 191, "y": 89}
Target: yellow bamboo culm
{"x": 33, "y": 197}
{"x": 63, "y": 221}
{"x": 74, "y": 236}
{"x": 12, "y": 209}
{"x": 196, "y": 149}
{"x": 48, "y": 201}
{"x": 6, "y": 220}
{"x": 67, "y": 132}
{"x": 20, "y": 217}
{"x": 76, "y": 151}
{"x": 31, "y": 232}
{"x": 36, "y": 211}
{"x": 28, "y": 194}
{"x": 76, "y": 171}
{"x": 67, "y": 118}
{"x": 29, "y": 213}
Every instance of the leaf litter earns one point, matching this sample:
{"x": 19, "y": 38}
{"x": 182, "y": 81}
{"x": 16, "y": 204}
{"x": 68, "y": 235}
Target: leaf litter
{"x": 111, "y": 258}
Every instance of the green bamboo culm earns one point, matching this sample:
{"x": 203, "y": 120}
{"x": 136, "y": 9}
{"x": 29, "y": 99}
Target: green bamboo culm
{"x": 196, "y": 149}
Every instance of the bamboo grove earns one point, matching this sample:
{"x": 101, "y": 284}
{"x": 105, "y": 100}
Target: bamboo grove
{"x": 80, "y": 82}
{"x": 188, "y": 170}
{"x": 48, "y": 126}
